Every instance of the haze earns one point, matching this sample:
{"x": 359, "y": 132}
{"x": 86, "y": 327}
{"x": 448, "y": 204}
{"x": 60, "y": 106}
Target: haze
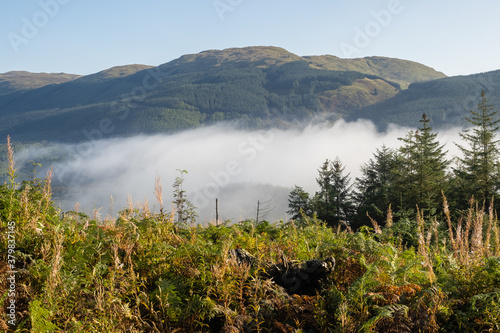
{"x": 238, "y": 167}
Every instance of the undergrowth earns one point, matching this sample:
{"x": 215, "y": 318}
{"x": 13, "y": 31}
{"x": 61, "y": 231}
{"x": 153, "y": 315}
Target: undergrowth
{"x": 144, "y": 272}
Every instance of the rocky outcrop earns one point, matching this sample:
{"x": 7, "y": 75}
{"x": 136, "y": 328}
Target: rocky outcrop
{"x": 296, "y": 277}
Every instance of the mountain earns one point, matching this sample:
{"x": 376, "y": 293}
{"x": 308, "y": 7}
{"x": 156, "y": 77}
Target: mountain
{"x": 403, "y": 72}
{"x": 255, "y": 86}
{"x": 113, "y": 73}
{"x": 445, "y": 101}
{"x": 19, "y": 80}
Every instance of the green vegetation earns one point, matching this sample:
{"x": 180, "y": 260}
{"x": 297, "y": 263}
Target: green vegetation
{"x": 149, "y": 270}
{"x": 403, "y": 72}
{"x": 256, "y": 87}
{"x": 143, "y": 272}
{"x": 18, "y": 80}
{"x": 445, "y": 101}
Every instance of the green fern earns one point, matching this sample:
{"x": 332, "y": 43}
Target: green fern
{"x": 388, "y": 311}
{"x": 40, "y": 322}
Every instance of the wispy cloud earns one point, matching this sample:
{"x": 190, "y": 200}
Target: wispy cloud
{"x": 222, "y": 162}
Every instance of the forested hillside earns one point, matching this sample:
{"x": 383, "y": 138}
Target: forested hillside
{"x": 256, "y": 87}
{"x": 446, "y": 101}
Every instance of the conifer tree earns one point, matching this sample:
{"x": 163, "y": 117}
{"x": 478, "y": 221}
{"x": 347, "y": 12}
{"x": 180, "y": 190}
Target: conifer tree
{"x": 422, "y": 168}
{"x": 477, "y": 169}
{"x": 299, "y": 203}
{"x": 375, "y": 189}
{"x": 333, "y": 202}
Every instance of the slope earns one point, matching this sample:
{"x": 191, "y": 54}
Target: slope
{"x": 20, "y": 80}
{"x": 255, "y": 86}
{"x": 446, "y": 101}
{"x": 403, "y": 72}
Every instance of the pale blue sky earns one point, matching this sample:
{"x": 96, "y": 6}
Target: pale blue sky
{"x": 86, "y": 36}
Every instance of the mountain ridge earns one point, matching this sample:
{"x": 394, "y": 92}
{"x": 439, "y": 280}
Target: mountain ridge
{"x": 255, "y": 86}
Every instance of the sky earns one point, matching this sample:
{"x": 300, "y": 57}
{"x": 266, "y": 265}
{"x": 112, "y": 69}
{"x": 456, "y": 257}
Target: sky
{"x": 82, "y": 37}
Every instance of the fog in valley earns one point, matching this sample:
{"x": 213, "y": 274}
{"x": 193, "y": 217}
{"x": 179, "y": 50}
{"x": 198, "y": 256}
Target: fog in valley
{"x": 238, "y": 167}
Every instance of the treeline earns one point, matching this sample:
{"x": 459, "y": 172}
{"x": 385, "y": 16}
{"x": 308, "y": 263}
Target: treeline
{"x": 412, "y": 179}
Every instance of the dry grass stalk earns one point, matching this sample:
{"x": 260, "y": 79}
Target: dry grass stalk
{"x": 57, "y": 262}
{"x": 497, "y": 239}
{"x": 376, "y": 226}
{"x": 435, "y": 226}
{"x": 145, "y": 210}
{"x": 11, "y": 170}
{"x": 491, "y": 222}
{"x": 111, "y": 205}
{"x": 446, "y": 209}
{"x": 422, "y": 245}
{"x": 130, "y": 203}
{"x": 159, "y": 192}
{"x": 460, "y": 244}
{"x": 96, "y": 214}
{"x": 389, "y": 220}
{"x": 116, "y": 258}
{"x": 420, "y": 230}
{"x": 45, "y": 201}
{"x": 428, "y": 238}
{"x": 468, "y": 225}
{"x": 477, "y": 231}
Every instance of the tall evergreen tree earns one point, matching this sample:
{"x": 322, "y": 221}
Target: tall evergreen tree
{"x": 477, "y": 169}
{"x": 422, "y": 168}
{"x": 333, "y": 202}
{"x": 299, "y": 203}
{"x": 375, "y": 189}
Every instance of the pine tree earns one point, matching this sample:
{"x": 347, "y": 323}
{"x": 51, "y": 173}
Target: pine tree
{"x": 299, "y": 203}
{"x": 422, "y": 168}
{"x": 333, "y": 203}
{"x": 477, "y": 169}
{"x": 375, "y": 188}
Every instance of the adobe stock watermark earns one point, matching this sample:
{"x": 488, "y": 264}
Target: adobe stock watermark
{"x": 248, "y": 150}
{"x": 223, "y": 6}
{"x": 121, "y": 110}
{"x": 364, "y": 36}
{"x": 31, "y": 26}
{"x": 11, "y": 273}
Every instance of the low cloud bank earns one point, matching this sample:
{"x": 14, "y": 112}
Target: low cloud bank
{"x": 238, "y": 167}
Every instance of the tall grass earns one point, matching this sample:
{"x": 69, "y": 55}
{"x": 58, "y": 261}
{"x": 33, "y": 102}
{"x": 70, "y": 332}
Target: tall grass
{"x": 140, "y": 271}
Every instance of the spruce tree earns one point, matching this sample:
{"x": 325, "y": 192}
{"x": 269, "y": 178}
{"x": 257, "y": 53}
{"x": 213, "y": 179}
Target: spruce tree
{"x": 299, "y": 203}
{"x": 422, "y": 168}
{"x": 477, "y": 169}
{"x": 375, "y": 188}
{"x": 333, "y": 202}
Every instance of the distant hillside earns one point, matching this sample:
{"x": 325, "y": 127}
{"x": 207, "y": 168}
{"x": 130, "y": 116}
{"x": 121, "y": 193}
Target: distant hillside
{"x": 446, "y": 101}
{"x": 19, "y": 80}
{"x": 403, "y": 72}
{"x": 256, "y": 86}
{"x": 113, "y": 73}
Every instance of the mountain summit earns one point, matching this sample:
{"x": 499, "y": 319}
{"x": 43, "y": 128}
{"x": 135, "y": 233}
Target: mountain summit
{"x": 253, "y": 86}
